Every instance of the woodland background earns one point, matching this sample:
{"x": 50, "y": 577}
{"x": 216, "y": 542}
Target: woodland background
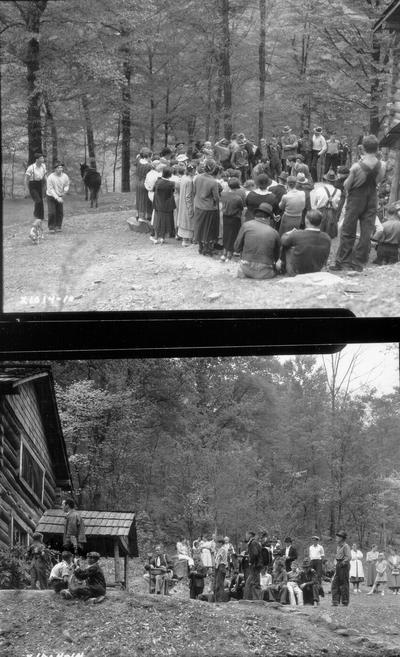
{"x": 100, "y": 78}
{"x": 194, "y": 445}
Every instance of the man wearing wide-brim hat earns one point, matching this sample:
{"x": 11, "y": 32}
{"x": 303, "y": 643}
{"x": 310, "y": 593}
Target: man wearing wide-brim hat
{"x": 340, "y": 582}
{"x": 289, "y": 143}
{"x": 318, "y": 150}
{"x": 259, "y": 245}
{"x": 326, "y": 198}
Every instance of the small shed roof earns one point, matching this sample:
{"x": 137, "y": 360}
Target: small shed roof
{"x": 101, "y": 528}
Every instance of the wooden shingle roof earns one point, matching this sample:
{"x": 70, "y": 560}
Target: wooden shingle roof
{"x": 390, "y": 18}
{"x": 101, "y": 528}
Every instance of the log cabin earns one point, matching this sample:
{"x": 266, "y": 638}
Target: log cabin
{"x": 34, "y": 469}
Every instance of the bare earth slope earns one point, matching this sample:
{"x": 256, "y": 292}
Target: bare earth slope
{"x": 98, "y": 263}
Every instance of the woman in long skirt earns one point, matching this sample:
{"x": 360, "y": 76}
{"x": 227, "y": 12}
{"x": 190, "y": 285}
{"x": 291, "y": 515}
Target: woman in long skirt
{"x": 381, "y": 578}
{"x": 372, "y": 558}
{"x": 185, "y": 219}
{"x": 164, "y": 206}
{"x": 143, "y": 203}
{"x": 356, "y": 568}
{"x": 206, "y": 208}
{"x": 394, "y": 571}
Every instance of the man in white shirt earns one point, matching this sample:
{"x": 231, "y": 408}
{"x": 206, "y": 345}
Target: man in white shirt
{"x": 35, "y": 177}
{"x": 325, "y": 197}
{"x": 316, "y": 553}
{"x": 319, "y": 149}
{"x": 57, "y": 186}
{"x": 61, "y": 572}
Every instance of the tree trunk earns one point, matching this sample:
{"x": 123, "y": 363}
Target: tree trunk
{"x": 262, "y": 68}
{"x": 152, "y": 103}
{"x": 375, "y": 88}
{"x": 126, "y": 131}
{"x": 207, "y": 122}
{"x": 31, "y": 13}
{"x": 191, "y": 127}
{"x": 218, "y": 105}
{"x": 166, "y": 122}
{"x": 89, "y": 128}
{"x": 223, "y": 6}
{"x": 53, "y": 131}
{"x": 116, "y": 151}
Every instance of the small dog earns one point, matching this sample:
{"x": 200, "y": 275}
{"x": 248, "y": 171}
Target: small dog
{"x": 36, "y": 233}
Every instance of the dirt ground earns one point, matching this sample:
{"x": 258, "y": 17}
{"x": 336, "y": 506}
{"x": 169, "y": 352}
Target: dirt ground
{"x": 98, "y": 263}
{"x": 138, "y": 624}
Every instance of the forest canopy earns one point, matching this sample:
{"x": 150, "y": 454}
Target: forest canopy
{"x": 101, "y": 78}
{"x": 194, "y": 445}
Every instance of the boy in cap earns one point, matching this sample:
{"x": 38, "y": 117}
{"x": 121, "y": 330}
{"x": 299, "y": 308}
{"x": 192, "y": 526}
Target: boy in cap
{"x": 308, "y": 583}
{"x": 61, "y": 572}
{"x": 340, "y": 582}
{"x": 95, "y": 584}
{"x": 388, "y": 237}
{"x": 39, "y": 557}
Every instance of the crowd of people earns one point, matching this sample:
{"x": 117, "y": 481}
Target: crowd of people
{"x": 272, "y": 570}
{"x": 277, "y": 205}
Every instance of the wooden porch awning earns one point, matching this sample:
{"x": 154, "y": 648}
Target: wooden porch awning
{"x": 103, "y": 530}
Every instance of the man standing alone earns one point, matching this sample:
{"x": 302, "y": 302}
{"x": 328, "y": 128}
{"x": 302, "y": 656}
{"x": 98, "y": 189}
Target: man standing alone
{"x": 57, "y": 186}
{"x": 74, "y": 529}
{"x": 362, "y": 205}
{"x": 252, "y": 587}
{"x": 340, "y": 582}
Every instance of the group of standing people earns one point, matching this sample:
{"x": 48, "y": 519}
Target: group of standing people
{"x": 273, "y": 212}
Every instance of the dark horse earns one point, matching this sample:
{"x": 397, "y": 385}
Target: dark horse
{"x": 92, "y": 181}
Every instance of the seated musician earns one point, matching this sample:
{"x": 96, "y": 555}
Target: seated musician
{"x": 160, "y": 571}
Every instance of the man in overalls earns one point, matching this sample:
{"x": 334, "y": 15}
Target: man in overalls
{"x": 362, "y": 205}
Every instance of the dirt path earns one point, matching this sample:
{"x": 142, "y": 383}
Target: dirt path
{"x": 139, "y": 624}
{"x": 98, "y": 263}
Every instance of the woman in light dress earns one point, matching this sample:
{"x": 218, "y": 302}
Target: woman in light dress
{"x": 394, "y": 571}
{"x": 183, "y": 551}
{"x": 381, "y": 578}
{"x": 372, "y": 558}
{"x": 356, "y": 568}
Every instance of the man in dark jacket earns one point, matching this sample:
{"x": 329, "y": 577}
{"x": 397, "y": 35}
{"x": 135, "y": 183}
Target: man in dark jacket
{"x": 74, "y": 539}
{"x": 252, "y": 588}
{"x": 259, "y": 245}
{"x": 290, "y": 553}
{"x": 340, "y": 582}
{"x": 305, "y": 251}
{"x": 309, "y": 584}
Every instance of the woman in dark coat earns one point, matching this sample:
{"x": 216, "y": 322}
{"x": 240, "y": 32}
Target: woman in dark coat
{"x": 164, "y": 206}
{"x": 143, "y": 204}
{"x": 206, "y": 208}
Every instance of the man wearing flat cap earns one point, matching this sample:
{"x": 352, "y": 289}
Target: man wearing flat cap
{"x": 340, "y": 582}
{"x": 319, "y": 149}
{"x": 259, "y": 245}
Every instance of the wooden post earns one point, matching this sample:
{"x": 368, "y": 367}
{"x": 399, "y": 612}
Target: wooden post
{"x": 116, "y": 561}
{"x": 126, "y": 567}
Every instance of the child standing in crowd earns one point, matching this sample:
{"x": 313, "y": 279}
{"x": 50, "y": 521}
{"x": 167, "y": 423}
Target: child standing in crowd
{"x": 381, "y": 574}
{"x": 39, "y": 556}
{"x": 394, "y": 571}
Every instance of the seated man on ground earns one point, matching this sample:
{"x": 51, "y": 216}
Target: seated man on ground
{"x": 309, "y": 584}
{"x": 277, "y": 591}
{"x": 93, "y": 581}
{"x": 61, "y": 572}
{"x": 259, "y": 245}
{"x": 294, "y": 590}
{"x": 160, "y": 569}
{"x": 305, "y": 251}
{"x": 197, "y": 575}
{"x": 388, "y": 238}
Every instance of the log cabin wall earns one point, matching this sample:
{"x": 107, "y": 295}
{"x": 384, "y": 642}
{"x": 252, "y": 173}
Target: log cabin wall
{"x": 21, "y": 427}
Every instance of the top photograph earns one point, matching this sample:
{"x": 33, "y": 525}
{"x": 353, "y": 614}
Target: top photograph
{"x": 215, "y": 155}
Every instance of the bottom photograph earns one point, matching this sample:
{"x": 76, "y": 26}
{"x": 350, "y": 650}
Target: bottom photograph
{"x": 201, "y": 506}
